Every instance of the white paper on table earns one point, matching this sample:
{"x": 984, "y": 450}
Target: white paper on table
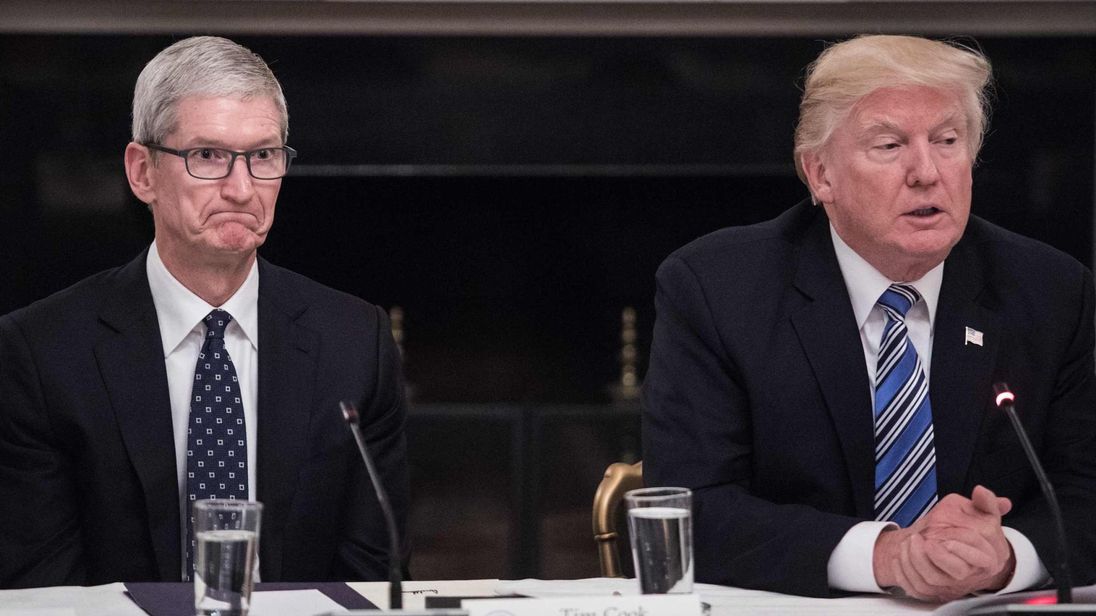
{"x": 730, "y": 600}
{"x": 726, "y": 599}
{"x": 654, "y": 605}
{"x": 415, "y": 592}
{"x": 545, "y": 589}
{"x": 292, "y": 603}
{"x": 103, "y": 600}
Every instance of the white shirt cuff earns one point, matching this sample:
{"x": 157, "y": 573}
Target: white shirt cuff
{"x": 850, "y": 564}
{"x": 1029, "y": 572}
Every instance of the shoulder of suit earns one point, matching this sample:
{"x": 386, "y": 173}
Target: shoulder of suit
{"x": 284, "y": 285}
{"x": 1014, "y": 250}
{"x": 84, "y": 297}
{"x": 756, "y": 240}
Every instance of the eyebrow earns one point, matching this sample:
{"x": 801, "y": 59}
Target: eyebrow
{"x": 884, "y": 125}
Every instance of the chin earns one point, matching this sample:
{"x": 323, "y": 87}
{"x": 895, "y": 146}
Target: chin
{"x": 926, "y": 258}
{"x": 928, "y": 243}
{"x": 227, "y": 252}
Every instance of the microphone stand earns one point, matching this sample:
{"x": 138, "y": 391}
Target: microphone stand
{"x": 1063, "y": 575}
{"x": 395, "y": 577}
{"x": 1063, "y": 578}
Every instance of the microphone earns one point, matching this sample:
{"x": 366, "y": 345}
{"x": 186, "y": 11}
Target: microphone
{"x": 395, "y": 577}
{"x": 1006, "y": 400}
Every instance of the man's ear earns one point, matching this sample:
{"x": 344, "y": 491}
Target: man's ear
{"x": 814, "y": 167}
{"x": 139, "y": 168}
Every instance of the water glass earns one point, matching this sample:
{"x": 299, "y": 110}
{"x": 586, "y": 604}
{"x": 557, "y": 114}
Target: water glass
{"x": 660, "y": 524}
{"x": 226, "y": 533}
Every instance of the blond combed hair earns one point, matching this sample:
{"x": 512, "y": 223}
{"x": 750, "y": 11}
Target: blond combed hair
{"x": 848, "y": 71}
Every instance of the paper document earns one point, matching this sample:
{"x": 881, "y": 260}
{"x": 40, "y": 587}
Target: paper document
{"x": 727, "y": 600}
{"x": 291, "y": 603}
{"x": 104, "y": 600}
{"x": 415, "y": 593}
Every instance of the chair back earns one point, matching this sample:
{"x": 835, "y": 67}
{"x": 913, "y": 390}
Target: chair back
{"x": 609, "y": 515}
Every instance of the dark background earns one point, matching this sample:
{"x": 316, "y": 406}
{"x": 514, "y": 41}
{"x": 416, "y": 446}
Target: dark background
{"x": 512, "y": 195}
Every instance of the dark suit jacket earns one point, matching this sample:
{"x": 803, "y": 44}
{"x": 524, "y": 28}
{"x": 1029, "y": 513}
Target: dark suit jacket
{"x": 757, "y": 395}
{"x": 88, "y": 485}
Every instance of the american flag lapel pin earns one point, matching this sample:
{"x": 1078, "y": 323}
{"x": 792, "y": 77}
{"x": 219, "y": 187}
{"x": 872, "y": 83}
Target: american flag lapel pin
{"x": 972, "y": 336}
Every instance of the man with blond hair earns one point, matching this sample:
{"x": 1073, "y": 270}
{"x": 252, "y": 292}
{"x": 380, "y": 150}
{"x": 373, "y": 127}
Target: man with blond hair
{"x": 823, "y": 381}
{"x": 198, "y": 370}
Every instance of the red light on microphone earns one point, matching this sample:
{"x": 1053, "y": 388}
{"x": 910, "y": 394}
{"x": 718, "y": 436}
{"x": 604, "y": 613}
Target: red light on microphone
{"x": 1047, "y": 600}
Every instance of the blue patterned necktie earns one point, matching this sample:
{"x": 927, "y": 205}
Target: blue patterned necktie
{"x": 216, "y": 444}
{"x": 905, "y": 457}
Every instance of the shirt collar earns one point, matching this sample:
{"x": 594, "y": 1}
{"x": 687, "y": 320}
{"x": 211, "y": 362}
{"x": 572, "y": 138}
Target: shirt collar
{"x": 865, "y": 283}
{"x": 179, "y": 311}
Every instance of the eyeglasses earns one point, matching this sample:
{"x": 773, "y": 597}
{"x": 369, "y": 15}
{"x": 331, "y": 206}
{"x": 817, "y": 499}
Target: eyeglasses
{"x": 216, "y": 163}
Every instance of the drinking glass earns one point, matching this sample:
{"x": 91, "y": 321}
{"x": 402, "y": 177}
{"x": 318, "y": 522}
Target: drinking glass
{"x": 660, "y": 525}
{"x": 226, "y": 533}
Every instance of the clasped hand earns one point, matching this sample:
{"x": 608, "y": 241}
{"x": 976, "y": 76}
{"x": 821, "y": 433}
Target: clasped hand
{"x": 955, "y": 549}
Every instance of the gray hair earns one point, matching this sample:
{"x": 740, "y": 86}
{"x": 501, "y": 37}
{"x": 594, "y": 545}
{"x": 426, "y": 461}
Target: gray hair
{"x": 848, "y": 71}
{"x": 199, "y": 66}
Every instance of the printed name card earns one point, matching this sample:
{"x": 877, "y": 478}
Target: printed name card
{"x": 634, "y": 605}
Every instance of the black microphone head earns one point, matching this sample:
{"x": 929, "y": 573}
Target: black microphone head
{"x": 350, "y": 414}
{"x": 1002, "y": 394}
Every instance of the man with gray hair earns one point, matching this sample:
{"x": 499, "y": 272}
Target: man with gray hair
{"x": 823, "y": 381}
{"x": 198, "y": 370}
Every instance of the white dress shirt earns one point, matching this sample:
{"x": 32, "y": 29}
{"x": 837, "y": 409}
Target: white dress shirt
{"x": 180, "y": 314}
{"x": 850, "y": 564}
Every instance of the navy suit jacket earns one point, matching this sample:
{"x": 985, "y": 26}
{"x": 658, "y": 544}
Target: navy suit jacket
{"x": 88, "y": 486}
{"x": 758, "y": 399}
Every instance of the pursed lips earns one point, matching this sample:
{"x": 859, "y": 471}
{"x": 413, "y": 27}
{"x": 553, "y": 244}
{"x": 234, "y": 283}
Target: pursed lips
{"x": 246, "y": 219}
{"x": 241, "y": 213}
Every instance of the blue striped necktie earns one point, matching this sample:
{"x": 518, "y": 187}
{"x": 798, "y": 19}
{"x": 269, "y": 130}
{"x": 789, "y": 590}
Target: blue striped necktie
{"x": 905, "y": 458}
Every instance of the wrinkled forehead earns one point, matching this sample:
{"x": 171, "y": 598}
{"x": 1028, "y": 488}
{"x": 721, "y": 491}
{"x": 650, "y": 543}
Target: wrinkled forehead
{"x": 906, "y": 108}
{"x": 201, "y": 112}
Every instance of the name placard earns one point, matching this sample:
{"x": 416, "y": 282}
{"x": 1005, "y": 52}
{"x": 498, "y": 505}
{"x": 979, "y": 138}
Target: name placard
{"x": 634, "y": 605}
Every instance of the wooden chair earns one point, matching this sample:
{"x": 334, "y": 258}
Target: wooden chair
{"x": 619, "y": 478}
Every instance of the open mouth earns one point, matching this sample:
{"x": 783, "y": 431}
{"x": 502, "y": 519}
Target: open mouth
{"x": 924, "y": 212}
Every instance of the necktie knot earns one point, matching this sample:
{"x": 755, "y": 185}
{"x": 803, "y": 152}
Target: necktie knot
{"x": 897, "y": 300}
{"x": 216, "y": 322}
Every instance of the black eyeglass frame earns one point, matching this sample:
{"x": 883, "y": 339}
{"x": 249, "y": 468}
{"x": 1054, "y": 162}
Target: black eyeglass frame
{"x": 290, "y": 154}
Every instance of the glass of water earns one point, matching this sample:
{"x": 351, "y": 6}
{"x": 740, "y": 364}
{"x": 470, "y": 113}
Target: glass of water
{"x": 660, "y": 523}
{"x": 226, "y": 534}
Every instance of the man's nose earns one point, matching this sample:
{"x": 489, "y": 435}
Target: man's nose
{"x": 239, "y": 185}
{"x": 922, "y": 169}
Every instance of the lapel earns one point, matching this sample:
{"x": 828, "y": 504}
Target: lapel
{"x": 827, "y": 330}
{"x": 131, "y": 364}
{"x": 961, "y": 379}
{"x": 287, "y": 370}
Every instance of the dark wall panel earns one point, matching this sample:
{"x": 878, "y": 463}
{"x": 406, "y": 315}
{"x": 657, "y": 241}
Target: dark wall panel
{"x": 512, "y": 194}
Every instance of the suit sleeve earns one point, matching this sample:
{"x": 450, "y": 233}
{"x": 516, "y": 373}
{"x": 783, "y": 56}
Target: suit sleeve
{"x": 40, "y": 540}
{"x": 363, "y": 550}
{"x": 1068, "y": 452}
{"x": 697, "y": 434}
